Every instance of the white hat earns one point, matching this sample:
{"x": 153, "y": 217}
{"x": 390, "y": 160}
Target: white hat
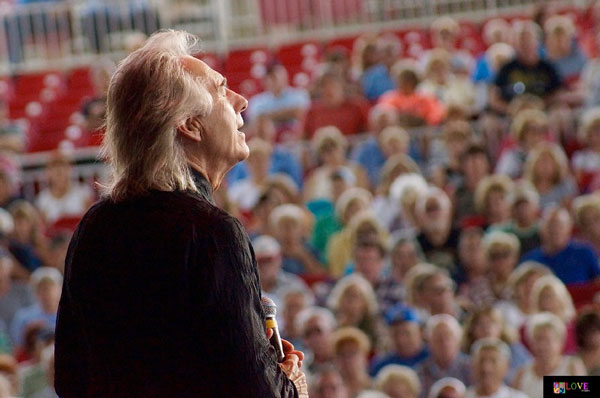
{"x": 46, "y": 273}
{"x": 266, "y": 245}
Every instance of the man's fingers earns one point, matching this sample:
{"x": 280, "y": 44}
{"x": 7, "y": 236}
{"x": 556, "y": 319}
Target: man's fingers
{"x": 291, "y": 361}
{"x": 269, "y": 333}
{"x": 287, "y": 346}
{"x": 299, "y": 353}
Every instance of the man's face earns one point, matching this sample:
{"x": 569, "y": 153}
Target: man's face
{"x": 444, "y": 343}
{"x": 407, "y": 338}
{"x": 490, "y": 368}
{"x": 222, "y": 139}
{"x": 331, "y": 386}
{"x": 369, "y": 263}
{"x": 556, "y": 234}
{"x": 268, "y": 266}
{"x": 439, "y": 294}
{"x": 527, "y": 47}
{"x": 317, "y": 335}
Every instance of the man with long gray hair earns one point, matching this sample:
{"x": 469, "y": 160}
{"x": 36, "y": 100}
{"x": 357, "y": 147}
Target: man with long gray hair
{"x": 161, "y": 295}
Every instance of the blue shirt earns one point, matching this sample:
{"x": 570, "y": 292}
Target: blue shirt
{"x": 26, "y": 316}
{"x": 375, "y": 81}
{"x": 483, "y": 71}
{"x": 282, "y": 161}
{"x": 371, "y": 157}
{"x": 395, "y": 359}
{"x": 576, "y": 263}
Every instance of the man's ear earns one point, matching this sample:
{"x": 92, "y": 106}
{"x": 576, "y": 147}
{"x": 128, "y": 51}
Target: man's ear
{"x": 191, "y": 129}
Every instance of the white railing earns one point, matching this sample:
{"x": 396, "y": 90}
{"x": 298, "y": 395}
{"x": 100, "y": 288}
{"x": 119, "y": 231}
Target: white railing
{"x": 71, "y": 33}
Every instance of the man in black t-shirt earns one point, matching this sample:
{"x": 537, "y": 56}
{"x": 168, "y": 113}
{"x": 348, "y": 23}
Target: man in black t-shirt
{"x": 527, "y": 73}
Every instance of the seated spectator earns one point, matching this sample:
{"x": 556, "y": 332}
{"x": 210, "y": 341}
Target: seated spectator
{"x": 274, "y": 282}
{"x": 63, "y": 197}
{"x": 448, "y": 87}
{"x": 387, "y": 205}
{"x": 415, "y": 289}
{"x": 33, "y": 378}
{"x": 472, "y": 276}
{"x": 27, "y": 243}
{"x": 444, "y": 32}
{"x": 328, "y": 383}
{"x": 586, "y": 211}
{"x": 547, "y": 168}
{"x": 330, "y": 147}
{"x": 528, "y": 129}
{"x": 353, "y": 302}
{"x": 376, "y": 57}
{"x": 289, "y": 224}
{"x": 371, "y": 152}
{"x": 369, "y": 261}
{"x": 48, "y": 368}
{"x": 351, "y": 348}
{"x": 93, "y": 109}
{"x": 438, "y": 239}
{"x": 414, "y": 108}
{"x": 447, "y": 169}
{"x": 443, "y": 333}
{"x": 14, "y": 294}
{"x": 438, "y": 294}
{"x": 294, "y": 301}
{"x": 549, "y": 294}
{"x": 351, "y": 202}
{"x": 559, "y": 251}
{"x": 586, "y": 162}
{"x": 491, "y": 199}
{"x": 447, "y": 387}
{"x": 246, "y": 192}
{"x": 527, "y": 72}
{"x": 47, "y": 285}
{"x": 335, "y": 107}
{"x": 398, "y": 381}
{"x": 589, "y": 82}
{"x": 502, "y": 252}
{"x": 404, "y": 255}
{"x": 546, "y": 334}
{"x": 491, "y": 358}
{"x": 495, "y": 31}
{"x": 341, "y": 246}
{"x": 13, "y": 137}
{"x": 279, "y": 102}
{"x": 475, "y": 166}
{"x": 517, "y": 309}
{"x": 282, "y": 160}
{"x": 587, "y": 332}
{"x": 408, "y": 347}
{"x": 487, "y": 323}
{"x": 316, "y": 325}
{"x": 399, "y": 209}
{"x": 524, "y": 223}
{"x": 561, "y": 47}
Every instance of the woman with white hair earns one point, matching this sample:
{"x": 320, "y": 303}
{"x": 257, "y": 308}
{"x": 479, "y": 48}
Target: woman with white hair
{"x": 447, "y": 387}
{"x": 354, "y": 303}
{"x": 502, "y": 255}
{"x": 546, "y": 334}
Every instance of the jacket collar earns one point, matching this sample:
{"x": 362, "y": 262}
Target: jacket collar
{"x": 202, "y": 185}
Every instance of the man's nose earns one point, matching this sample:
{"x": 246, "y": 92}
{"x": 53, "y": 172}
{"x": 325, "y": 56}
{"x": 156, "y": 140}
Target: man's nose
{"x": 241, "y": 103}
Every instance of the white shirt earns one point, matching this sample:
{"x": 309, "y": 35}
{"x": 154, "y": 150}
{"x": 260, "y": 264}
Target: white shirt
{"x": 73, "y": 204}
{"x": 503, "y": 392}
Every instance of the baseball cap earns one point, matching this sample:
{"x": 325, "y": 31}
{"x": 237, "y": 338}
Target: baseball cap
{"x": 401, "y": 313}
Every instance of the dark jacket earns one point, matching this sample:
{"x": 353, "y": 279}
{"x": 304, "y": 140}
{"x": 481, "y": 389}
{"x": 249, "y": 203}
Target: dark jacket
{"x": 161, "y": 299}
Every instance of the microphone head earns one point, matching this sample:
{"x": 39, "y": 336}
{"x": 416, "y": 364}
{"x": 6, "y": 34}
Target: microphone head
{"x": 269, "y": 307}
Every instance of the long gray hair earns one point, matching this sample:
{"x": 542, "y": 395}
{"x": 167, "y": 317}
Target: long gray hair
{"x": 149, "y": 96}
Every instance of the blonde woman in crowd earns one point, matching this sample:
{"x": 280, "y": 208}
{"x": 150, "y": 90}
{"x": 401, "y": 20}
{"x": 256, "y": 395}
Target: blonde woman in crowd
{"x": 413, "y": 281}
{"x": 520, "y": 283}
{"x": 351, "y": 348}
{"x": 330, "y": 146}
{"x": 290, "y": 225}
{"x": 562, "y": 47}
{"x": 403, "y": 196}
{"x": 546, "y": 334}
{"x": 549, "y": 294}
{"x": 586, "y": 211}
{"x": 354, "y": 303}
{"x": 586, "y": 162}
{"x": 489, "y": 323}
{"x": 547, "y": 168}
{"x": 502, "y": 255}
{"x": 350, "y": 203}
{"x": 529, "y": 127}
{"x": 491, "y": 199}
{"x": 341, "y": 245}
{"x": 398, "y": 381}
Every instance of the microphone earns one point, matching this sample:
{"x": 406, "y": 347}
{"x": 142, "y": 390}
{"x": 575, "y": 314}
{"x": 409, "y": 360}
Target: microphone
{"x": 270, "y": 312}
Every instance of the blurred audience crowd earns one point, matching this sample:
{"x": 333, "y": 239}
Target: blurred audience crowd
{"x": 428, "y": 225}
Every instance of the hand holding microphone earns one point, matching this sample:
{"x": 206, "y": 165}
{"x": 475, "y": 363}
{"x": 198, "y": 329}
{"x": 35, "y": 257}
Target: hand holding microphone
{"x": 290, "y": 360}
